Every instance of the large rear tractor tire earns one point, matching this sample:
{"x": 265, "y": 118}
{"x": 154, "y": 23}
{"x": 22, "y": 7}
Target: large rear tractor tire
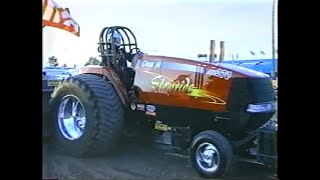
{"x": 87, "y": 115}
{"x": 211, "y": 154}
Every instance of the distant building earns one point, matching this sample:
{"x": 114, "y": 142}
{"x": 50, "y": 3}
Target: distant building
{"x": 261, "y": 65}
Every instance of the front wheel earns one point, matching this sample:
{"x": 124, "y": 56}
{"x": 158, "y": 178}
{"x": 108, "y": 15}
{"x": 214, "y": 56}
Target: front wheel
{"x": 211, "y": 154}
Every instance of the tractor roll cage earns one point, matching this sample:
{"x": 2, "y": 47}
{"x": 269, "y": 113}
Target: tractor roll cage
{"x": 108, "y": 49}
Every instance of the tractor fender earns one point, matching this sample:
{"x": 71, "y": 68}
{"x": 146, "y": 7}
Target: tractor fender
{"x": 110, "y": 75}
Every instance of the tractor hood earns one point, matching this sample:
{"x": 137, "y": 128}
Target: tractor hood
{"x": 237, "y": 71}
{"x": 188, "y": 83}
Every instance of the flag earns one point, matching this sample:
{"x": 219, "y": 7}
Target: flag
{"x": 252, "y": 53}
{"x": 202, "y": 55}
{"x": 55, "y": 16}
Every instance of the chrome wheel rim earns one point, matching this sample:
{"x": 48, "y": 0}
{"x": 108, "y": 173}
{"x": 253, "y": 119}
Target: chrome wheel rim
{"x": 71, "y": 117}
{"x": 207, "y": 157}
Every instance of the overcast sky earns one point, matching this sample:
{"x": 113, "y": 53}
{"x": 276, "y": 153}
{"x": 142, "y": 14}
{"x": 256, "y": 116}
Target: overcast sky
{"x": 180, "y": 28}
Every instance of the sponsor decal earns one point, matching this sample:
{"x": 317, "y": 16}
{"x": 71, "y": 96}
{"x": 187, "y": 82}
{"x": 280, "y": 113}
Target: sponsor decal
{"x": 161, "y": 127}
{"x": 151, "y": 64}
{"x": 140, "y": 107}
{"x": 182, "y": 84}
{"x": 133, "y": 106}
{"x": 150, "y": 108}
{"x": 161, "y": 83}
{"x": 150, "y": 113}
{"x": 220, "y": 73}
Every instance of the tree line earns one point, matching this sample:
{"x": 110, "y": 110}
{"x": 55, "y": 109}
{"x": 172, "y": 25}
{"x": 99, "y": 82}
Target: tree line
{"x": 53, "y": 61}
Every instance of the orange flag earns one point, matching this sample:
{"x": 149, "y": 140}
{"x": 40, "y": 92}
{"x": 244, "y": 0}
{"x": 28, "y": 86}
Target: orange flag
{"x": 55, "y": 16}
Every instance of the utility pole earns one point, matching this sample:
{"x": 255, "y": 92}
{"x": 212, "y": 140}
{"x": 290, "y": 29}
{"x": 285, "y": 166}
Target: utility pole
{"x": 222, "y": 50}
{"x": 212, "y": 51}
{"x": 273, "y": 39}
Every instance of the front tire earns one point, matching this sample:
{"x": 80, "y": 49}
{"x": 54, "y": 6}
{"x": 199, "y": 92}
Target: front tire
{"x": 211, "y": 154}
{"x": 87, "y": 115}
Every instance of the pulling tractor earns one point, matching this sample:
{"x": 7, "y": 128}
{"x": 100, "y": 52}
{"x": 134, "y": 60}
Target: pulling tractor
{"x": 215, "y": 112}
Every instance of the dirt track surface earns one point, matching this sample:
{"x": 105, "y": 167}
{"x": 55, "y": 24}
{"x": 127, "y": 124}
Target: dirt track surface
{"x": 133, "y": 161}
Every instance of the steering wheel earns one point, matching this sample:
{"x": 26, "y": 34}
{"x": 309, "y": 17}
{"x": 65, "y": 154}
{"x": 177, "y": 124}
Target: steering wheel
{"x": 137, "y": 50}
